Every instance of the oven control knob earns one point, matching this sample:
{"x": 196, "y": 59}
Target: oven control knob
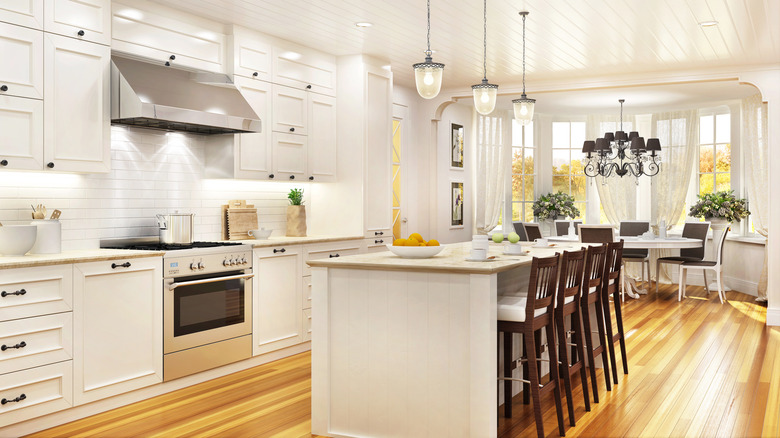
{"x": 233, "y": 262}
{"x": 193, "y": 266}
{"x": 201, "y": 266}
{"x": 225, "y": 262}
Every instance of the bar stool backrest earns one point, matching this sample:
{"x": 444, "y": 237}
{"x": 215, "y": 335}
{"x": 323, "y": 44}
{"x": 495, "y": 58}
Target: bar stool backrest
{"x": 570, "y": 280}
{"x": 612, "y": 267}
{"x": 695, "y": 230}
{"x": 634, "y": 228}
{"x": 594, "y": 268}
{"x": 532, "y": 231}
{"x": 597, "y": 233}
{"x": 541, "y": 285}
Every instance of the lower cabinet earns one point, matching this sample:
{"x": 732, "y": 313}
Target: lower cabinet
{"x": 277, "y": 298}
{"x": 117, "y": 321}
{"x": 377, "y": 244}
{"x": 36, "y": 391}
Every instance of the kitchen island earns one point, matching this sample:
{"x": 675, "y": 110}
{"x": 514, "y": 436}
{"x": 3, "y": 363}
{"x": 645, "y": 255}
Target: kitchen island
{"x": 407, "y": 347}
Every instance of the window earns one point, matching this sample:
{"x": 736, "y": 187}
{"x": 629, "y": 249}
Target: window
{"x": 568, "y": 175}
{"x": 714, "y": 153}
{"x": 396, "y": 179}
{"x": 522, "y": 172}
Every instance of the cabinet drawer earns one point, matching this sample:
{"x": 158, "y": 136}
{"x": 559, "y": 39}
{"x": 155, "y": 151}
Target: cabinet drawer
{"x": 306, "y": 301}
{"x": 306, "y": 325}
{"x": 27, "y": 13}
{"x": 380, "y": 233}
{"x": 31, "y": 342}
{"x": 35, "y": 291}
{"x": 330, "y": 250}
{"x": 24, "y": 76}
{"x": 377, "y": 244}
{"x": 39, "y": 391}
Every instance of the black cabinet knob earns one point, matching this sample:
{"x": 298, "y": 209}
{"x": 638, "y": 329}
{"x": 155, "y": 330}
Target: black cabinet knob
{"x": 379, "y": 241}
{"x": 271, "y": 176}
{"x": 123, "y": 265}
{"x": 308, "y": 87}
{"x": 80, "y": 33}
{"x": 292, "y": 129}
{"x": 4, "y": 88}
{"x": 255, "y": 74}
{"x": 311, "y": 178}
{"x": 334, "y": 255}
{"x": 379, "y": 233}
{"x": 4, "y": 163}
{"x": 172, "y": 57}
{"x": 292, "y": 176}
{"x": 167, "y": 64}
{"x": 50, "y": 165}
{"x": 279, "y": 250}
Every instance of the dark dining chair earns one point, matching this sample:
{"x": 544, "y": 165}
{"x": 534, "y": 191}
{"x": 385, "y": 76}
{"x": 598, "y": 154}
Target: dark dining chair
{"x": 692, "y": 230}
{"x": 532, "y": 231}
{"x": 520, "y": 230}
{"x": 636, "y": 228}
{"x": 597, "y": 233}
{"x": 562, "y": 227}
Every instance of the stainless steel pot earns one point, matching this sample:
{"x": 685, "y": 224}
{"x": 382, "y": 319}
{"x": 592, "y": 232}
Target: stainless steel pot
{"x": 176, "y": 227}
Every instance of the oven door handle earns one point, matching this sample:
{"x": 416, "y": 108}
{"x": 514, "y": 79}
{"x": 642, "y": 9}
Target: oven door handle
{"x": 173, "y": 286}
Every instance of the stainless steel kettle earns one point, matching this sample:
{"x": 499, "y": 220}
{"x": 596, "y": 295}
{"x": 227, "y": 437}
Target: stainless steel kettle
{"x": 176, "y": 227}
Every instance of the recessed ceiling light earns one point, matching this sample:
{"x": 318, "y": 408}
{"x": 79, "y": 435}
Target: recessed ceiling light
{"x": 363, "y": 24}
{"x": 708, "y": 23}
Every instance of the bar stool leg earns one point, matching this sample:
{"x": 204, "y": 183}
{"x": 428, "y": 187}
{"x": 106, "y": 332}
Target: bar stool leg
{"x": 621, "y": 333}
{"x": 602, "y": 336}
{"x": 610, "y": 338}
{"x": 533, "y": 377}
{"x": 526, "y": 386}
{"x": 576, "y": 317}
{"x": 564, "y": 367}
{"x": 508, "y": 373}
{"x": 554, "y": 374}
{"x": 589, "y": 351}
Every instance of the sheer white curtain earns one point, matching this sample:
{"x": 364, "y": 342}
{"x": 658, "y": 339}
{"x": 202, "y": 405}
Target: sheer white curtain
{"x": 617, "y": 195}
{"x": 678, "y": 133}
{"x": 490, "y": 170}
{"x": 754, "y": 142}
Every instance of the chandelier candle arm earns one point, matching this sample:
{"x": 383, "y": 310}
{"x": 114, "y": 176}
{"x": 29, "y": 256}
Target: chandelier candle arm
{"x": 524, "y": 107}
{"x": 428, "y": 74}
{"x": 485, "y": 93}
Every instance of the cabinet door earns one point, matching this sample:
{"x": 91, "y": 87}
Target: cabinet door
{"x": 89, "y": 20}
{"x": 24, "y": 76}
{"x": 27, "y": 13}
{"x": 21, "y": 122}
{"x": 32, "y": 342}
{"x": 290, "y": 110}
{"x": 254, "y": 159}
{"x": 117, "y": 327}
{"x": 46, "y": 389}
{"x": 277, "y": 298}
{"x": 289, "y": 156}
{"x": 322, "y": 138}
{"x": 40, "y": 290}
{"x": 304, "y": 68}
{"x": 77, "y": 131}
{"x": 378, "y": 177}
{"x": 251, "y": 54}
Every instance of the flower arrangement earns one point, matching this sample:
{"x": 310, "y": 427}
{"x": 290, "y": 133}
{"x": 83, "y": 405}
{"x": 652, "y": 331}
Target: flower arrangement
{"x": 720, "y": 205}
{"x": 552, "y": 205}
{"x": 295, "y": 196}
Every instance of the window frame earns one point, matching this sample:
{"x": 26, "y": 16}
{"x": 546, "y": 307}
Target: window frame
{"x": 509, "y": 201}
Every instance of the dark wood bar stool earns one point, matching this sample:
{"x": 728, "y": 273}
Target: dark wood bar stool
{"x": 591, "y": 295}
{"x": 568, "y": 304}
{"x": 527, "y": 315}
{"x": 610, "y": 286}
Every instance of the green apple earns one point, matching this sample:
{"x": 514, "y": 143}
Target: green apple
{"x": 498, "y": 237}
{"x": 513, "y": 237}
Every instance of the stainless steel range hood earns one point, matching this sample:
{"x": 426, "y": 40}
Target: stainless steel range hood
{"x": 150, "y": 96}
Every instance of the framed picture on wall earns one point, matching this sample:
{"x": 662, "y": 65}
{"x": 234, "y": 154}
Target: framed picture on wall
{"x": 457, "y": 146}
{"x": 457, "y": 204}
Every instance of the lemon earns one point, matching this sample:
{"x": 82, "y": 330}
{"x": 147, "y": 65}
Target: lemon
{"x": 417, "y": 237}
{"x": 399, "y": 242}
{"x": 412, "y": 242}
{"x": 433, "y": 242}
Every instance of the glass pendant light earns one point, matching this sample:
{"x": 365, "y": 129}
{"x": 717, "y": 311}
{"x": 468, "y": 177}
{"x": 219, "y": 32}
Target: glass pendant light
{"x": 524, "y": 107}
{"x": 485, "y": 92}
{"x": 427, "y": 75}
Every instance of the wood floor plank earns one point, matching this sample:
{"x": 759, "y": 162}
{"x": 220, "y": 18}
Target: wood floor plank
{"x": 696, "y": 368}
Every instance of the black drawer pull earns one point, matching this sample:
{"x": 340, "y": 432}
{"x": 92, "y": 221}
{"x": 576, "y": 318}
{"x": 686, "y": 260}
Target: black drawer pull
{"x": 379, "y": 241}
{"x": 16, "y": 400}
{"x": 255, "y": 74}
{"x": 4, "y": 88}
{"x": 19, "y": 345}
{"x": 379, "y": 233}
{"x": 50, "y": 165}
{"x": 19, "y": 292}
{"x": 271, "y": 176}
{"x": 292, "y": 176}
{"x": 279, "y": 250}
{"x": 334, "y": 255}
{"x": 123, "y": 265}
{"x": 4, "y": 163}
{"x": 292, "y": 129}
{"x": 80, "y": 33}
{"x": 308, "y": 87}
{"x": 311, "y": 178}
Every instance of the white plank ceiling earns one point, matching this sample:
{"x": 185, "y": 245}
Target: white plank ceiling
{"x": 565, "y": 38}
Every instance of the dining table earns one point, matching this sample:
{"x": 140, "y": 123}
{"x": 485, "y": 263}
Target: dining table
{"x": 641, "y": 242}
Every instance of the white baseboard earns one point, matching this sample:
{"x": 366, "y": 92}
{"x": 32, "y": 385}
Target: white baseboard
{"x": 737, "y": 284}
{"x": 773, "y": 317}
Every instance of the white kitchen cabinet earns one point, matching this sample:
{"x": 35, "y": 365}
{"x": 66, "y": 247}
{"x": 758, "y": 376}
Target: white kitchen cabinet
{"x": 117, "y": 327}
{"x": 306, "y": 321}
{"x": 31, "y": 342}
{"x": 77, "y": 131}
{"x": 149, "y": 31}
{"x": 277, "y": 298}
{"x": 378, "y": 244}
{"x": 289, "y": 156}
{"x": 21, "y": 122}
{"x": 322, "y": 144}
{"x": 88, "y": 20}
{"x": 330, "y": 250}
{"x": 291, "y": 109}
{"x": 378, "y": 159}
{"x": 21, "y": 72}
{"x": 41, "y": 290}
{"x": 304, "y": 68}
{"x": 250, "y": 54}
{"x": 27, "y": 13}
{"x": 35, "y": 392}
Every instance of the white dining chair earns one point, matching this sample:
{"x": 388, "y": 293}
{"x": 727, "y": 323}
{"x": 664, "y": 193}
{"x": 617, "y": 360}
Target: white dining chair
{"x": 704, "y": 265}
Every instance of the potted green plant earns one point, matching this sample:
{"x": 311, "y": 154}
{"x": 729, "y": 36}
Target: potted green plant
{"x": 554, "y": 206}
{"x": 296, "y": 214}
{"x": 720, "y": 209}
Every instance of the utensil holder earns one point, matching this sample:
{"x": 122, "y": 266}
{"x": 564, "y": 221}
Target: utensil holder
{"x": 49, "y": 240}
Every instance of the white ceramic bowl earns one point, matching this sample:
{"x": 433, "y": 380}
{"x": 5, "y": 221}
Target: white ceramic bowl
{"x": 260, "y": 234}
{"x": 16, "y": 240}
{"x": 415, "y": 252}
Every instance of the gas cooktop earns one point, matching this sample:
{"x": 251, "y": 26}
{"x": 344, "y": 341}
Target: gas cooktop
{"x": 157, "y": 246}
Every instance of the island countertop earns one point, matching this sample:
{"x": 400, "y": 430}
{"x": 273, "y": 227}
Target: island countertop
{"x": 451, "y": 260}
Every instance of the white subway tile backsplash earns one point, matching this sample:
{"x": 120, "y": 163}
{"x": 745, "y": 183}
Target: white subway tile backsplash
{"x": 152, "y": 172}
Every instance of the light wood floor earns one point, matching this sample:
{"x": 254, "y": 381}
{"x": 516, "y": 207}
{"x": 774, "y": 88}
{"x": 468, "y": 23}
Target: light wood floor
{"x": 697, "y": 368}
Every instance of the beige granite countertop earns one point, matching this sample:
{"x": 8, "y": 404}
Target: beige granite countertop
{"x": 451, "y": 260}
{"x": 284, "y": 240}
{"x": 77, "y": 256}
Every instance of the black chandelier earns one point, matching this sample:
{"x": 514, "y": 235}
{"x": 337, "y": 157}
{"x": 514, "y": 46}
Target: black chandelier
{"x": 622, "y": 153}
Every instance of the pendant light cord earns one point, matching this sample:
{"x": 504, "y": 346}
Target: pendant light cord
{"x": 523, "y": 55}
{"x": 428, "y": 53}
{"x": 484, "y": 42}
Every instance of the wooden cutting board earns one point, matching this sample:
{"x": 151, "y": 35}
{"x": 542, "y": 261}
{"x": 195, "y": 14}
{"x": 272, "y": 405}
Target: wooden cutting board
{"x": 240, "y": 221}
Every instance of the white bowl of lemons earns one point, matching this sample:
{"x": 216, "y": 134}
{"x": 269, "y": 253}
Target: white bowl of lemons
{"x": 415, "y": 247}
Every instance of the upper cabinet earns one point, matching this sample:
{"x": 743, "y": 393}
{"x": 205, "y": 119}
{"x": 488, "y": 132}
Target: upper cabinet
{"x": 251, "y": 54}
{"x": 167, "y": 37}
{"x": 322, "y": 138}
{"x": 291, "y": 108}
{"x": 27, "y": 13}
{"x": 304, "y": 68}
{"x": 24, "y": 76}
{"x": 88, "y": 20}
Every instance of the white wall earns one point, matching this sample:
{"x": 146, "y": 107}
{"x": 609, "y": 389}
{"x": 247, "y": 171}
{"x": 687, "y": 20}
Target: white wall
{"x": 460, "y": 114}
{"x": 153, "y": 172}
